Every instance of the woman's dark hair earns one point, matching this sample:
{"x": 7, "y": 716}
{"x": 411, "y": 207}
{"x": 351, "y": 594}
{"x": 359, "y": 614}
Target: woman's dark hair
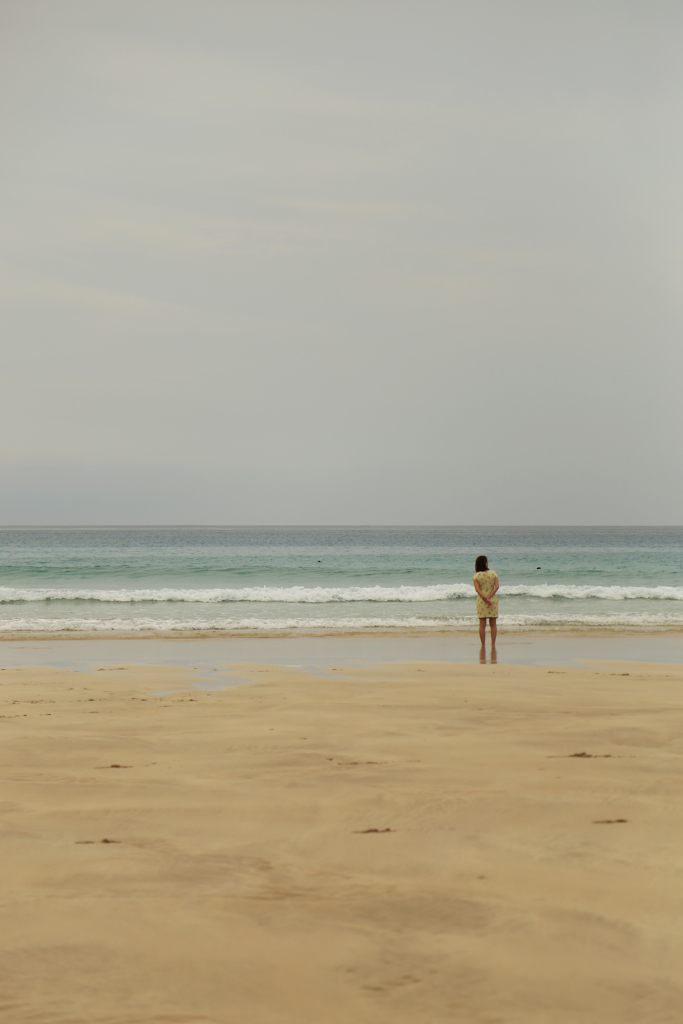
{"x": 481, "y": 564}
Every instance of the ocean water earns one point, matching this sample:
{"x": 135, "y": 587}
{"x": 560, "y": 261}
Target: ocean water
{"x": 309, "y": 580}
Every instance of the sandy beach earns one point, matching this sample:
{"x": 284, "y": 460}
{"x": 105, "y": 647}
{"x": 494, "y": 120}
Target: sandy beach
{"x": 414, "y": 842}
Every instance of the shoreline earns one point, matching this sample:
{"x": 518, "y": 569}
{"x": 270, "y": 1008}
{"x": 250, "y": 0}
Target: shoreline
{"x": 255, "y": 634}
{"x": 219, "y": 655}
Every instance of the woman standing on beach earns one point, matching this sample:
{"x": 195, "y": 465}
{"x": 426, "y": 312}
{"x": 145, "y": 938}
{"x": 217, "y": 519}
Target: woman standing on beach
{"x": 486, "y": 585}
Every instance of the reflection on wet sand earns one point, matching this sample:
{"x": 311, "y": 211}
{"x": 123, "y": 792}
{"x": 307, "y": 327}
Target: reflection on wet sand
{"x": 493, "y": 660}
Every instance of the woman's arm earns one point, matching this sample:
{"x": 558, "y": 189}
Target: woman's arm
{"x": 478, "y": 590}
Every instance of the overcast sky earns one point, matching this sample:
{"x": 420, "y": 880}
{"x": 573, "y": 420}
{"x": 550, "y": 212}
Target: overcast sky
{"x": 341, "y": 262}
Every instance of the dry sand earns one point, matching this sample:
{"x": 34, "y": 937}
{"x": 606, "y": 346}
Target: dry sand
{"x": 407, "y": 843}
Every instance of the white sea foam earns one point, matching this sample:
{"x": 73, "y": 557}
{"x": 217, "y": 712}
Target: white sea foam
{"x": 307, "y": 625}
{"x": 574, "y": 592}
{"x": 257, "y": 595}
{"x": 332, "y": 595}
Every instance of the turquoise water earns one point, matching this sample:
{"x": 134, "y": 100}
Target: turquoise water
{"x": 150, "y": 581}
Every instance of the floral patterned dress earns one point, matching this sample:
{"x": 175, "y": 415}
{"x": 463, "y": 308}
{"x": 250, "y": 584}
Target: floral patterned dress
{"x": 487, "y": 581}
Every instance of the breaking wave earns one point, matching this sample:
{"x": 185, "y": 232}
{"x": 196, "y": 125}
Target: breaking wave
{"x": 333, "y": 595}
{"x": 309, "y": 626}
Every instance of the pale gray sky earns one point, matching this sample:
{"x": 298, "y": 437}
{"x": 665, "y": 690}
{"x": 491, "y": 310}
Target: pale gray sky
{"x": 341, "y": 262}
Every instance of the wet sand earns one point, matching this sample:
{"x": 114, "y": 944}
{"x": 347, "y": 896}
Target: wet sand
{"x": 549, "y": 647}
{"x": 408, "y": 842}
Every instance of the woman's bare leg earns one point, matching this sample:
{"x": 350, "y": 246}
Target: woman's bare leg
{"x": 482, "y": 630}
{"x": 494, "y": 630}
